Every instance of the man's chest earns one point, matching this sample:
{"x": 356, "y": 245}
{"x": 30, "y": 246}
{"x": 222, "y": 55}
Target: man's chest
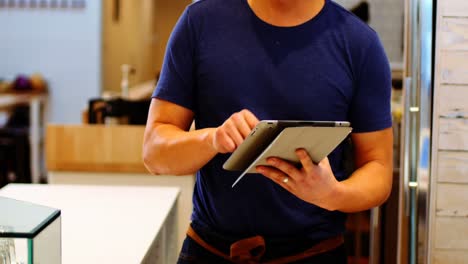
{"x": 276, "y": 77}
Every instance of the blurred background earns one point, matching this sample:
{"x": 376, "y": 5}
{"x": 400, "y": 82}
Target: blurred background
{"x": 76, "y": 78}
{"x": 68, "y": 64}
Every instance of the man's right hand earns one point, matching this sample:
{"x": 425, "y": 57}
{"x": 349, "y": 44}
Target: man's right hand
{"x": 227, "y": 137}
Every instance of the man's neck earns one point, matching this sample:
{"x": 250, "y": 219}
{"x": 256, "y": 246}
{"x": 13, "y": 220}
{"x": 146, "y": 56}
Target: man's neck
{"x": 286, "y": 13}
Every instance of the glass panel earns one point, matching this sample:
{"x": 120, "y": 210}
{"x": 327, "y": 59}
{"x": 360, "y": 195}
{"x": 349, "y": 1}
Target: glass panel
{"x": 14, "y": 251}
{"x": 29, "y": 233}
{"x": 22, "y": 219}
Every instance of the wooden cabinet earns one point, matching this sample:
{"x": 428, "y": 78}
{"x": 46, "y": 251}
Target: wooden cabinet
{"x": 95, "y": 148}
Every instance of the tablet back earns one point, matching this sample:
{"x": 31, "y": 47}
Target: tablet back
{"x": 317, "y": 141}
{"x": 262, "y": 135}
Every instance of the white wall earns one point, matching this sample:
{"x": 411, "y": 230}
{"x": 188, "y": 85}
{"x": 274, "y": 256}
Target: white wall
{"x": 64, "y": 45}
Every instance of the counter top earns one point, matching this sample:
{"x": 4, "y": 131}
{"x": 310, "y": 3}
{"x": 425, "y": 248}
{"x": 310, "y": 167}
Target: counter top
{"x": 103, "y": 224}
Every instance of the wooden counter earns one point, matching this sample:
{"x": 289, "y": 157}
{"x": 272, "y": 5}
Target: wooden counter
{"x": 95, "y": 148}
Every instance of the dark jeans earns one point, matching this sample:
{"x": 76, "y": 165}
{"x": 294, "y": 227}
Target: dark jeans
{"x": 193, "y": 253}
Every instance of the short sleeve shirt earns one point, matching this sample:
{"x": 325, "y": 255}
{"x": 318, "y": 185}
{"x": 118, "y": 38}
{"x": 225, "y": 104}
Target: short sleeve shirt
{"x": 221, "y": 58}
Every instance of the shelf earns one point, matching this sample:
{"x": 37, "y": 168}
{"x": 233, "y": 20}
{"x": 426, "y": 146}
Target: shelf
{"x": 8, "y": 100}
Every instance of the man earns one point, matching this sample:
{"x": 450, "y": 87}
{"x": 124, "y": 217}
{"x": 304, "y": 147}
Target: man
{"x": 231, "y": 63}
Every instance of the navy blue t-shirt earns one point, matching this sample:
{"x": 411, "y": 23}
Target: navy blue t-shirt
{"x": 221, "y": 58}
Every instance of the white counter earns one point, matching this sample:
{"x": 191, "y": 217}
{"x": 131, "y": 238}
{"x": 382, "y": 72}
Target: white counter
{"x": 184, "y": 183}
{"x": 103, "y": 224}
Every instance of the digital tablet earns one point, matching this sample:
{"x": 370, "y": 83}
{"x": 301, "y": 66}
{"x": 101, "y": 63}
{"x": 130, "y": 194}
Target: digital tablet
{"x": 281, "y": 138}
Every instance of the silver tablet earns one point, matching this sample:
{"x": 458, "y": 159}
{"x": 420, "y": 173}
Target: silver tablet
{"x": 278, "y": 138}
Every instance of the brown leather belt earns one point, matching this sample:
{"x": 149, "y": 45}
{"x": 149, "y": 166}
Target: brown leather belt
{"x": 241, "y": 251}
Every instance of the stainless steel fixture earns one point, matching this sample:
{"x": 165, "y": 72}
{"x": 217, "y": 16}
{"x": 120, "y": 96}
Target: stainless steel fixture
{"x": 416, "y": 132}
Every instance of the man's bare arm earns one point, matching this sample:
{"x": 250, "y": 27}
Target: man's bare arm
{"x": 371, "y": 183}
{"x": 169, "y": 148}
{"x": 367, "y": 187}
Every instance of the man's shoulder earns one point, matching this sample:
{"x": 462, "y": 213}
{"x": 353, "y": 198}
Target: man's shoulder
{"x": 352, "y": 25}
{"x": 207, "y": 16}
{"x": 355, "y": 37}
{"x": 212, "y": 7}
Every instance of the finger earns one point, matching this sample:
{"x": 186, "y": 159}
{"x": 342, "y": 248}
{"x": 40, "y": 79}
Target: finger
{"x": 324, "y": 163}
{"x": 284, "y": 166}
{"x": 242, "y": 125}
{"x": 305, "y": 159}
{"x": 233, "y": 133}
{"x": 226, "y": 143}
{"x": 277, "y": 176}
{"x": 251, "y": 119}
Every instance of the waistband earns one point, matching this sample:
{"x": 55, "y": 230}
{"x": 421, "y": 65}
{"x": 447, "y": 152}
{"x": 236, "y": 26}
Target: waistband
{"x": 256, "y": 248}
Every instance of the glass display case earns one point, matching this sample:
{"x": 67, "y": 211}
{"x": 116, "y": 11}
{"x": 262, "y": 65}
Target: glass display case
{"x": 29, "y": 233}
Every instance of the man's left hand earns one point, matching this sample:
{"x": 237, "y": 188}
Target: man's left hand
{"x": 313, "y": 183}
